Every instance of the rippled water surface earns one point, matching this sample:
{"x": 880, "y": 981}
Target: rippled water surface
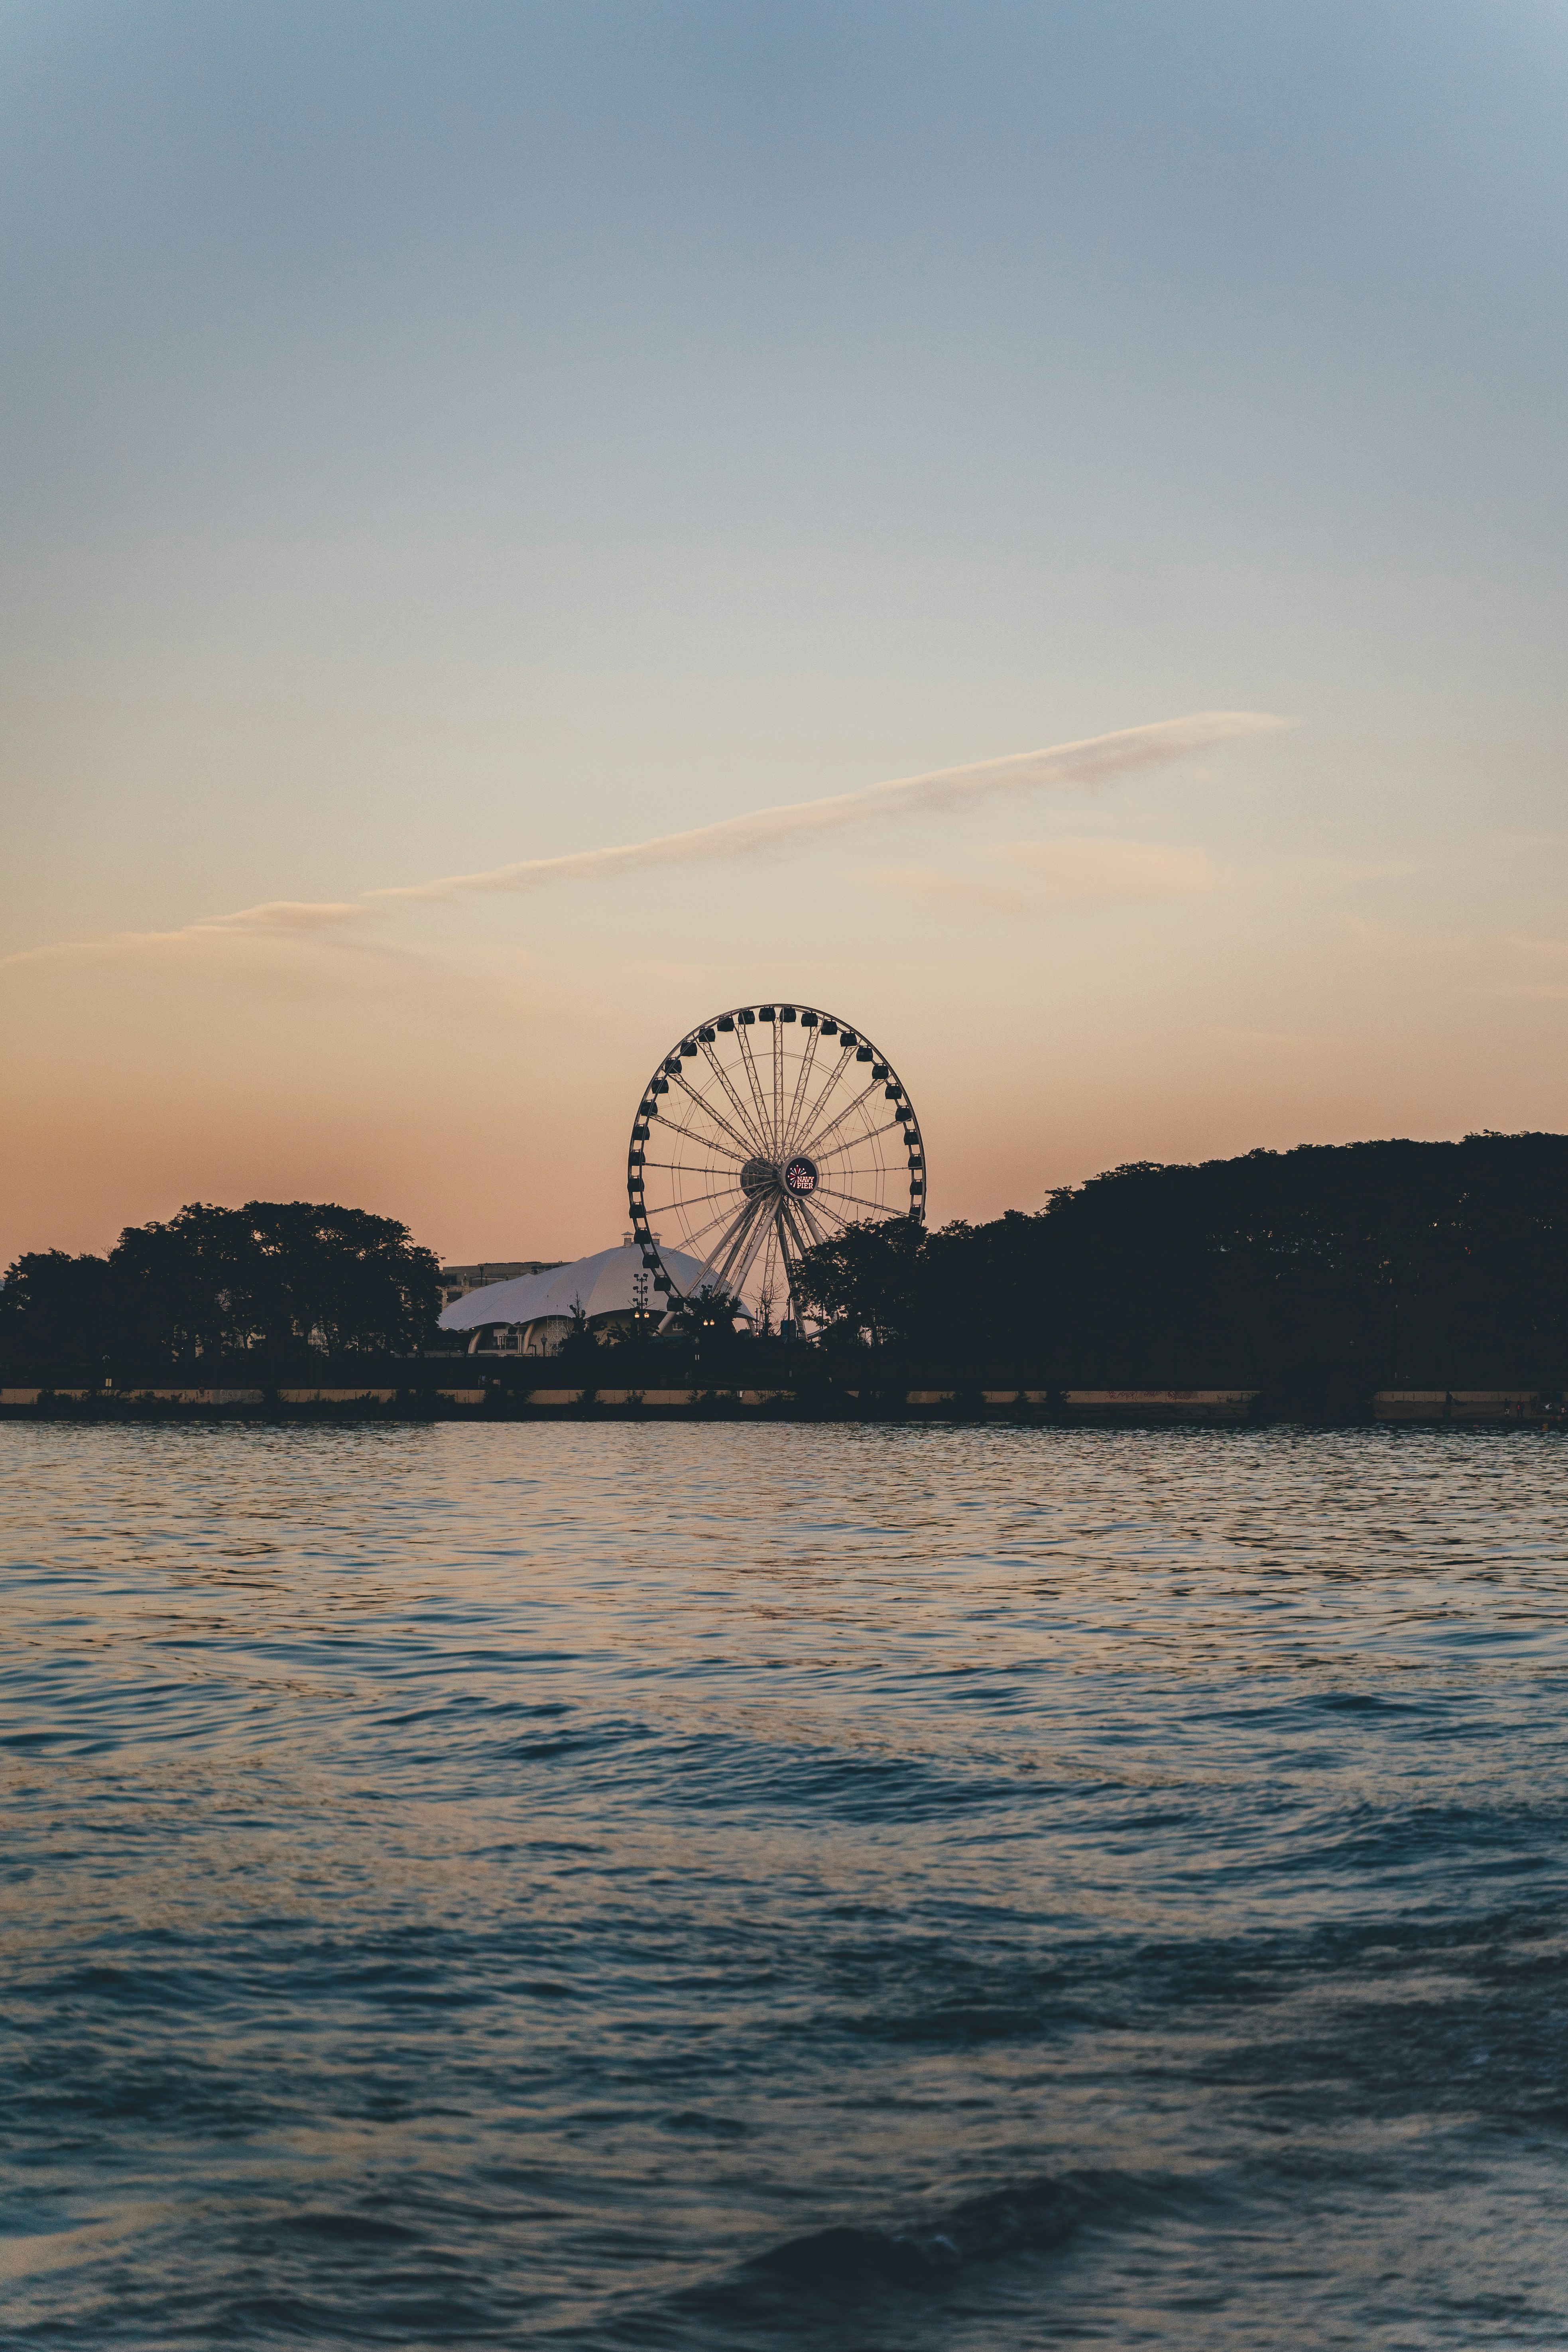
{"x": 874, "y": 1887}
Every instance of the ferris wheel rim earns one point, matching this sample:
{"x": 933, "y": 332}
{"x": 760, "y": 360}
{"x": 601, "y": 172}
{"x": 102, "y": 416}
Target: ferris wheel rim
{"x": 779, "y": 1201}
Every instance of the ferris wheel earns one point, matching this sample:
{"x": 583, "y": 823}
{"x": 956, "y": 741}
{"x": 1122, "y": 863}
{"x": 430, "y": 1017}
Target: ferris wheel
{"x": 765, "y": 1131}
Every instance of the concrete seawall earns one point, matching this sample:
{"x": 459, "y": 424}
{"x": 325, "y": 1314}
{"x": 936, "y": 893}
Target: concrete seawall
{"x": 1105, "y": 1408}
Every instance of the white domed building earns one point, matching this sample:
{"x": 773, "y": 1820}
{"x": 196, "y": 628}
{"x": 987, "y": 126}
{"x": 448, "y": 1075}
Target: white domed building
{"x": 532, "y": 1314}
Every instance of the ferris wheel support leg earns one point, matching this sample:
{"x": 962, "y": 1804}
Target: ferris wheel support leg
{"x": 735, "y": 1230}
{"x": 728, "y": 1278}
{"x": 813, "y": 1228}
{"x": 754, "y": 1242}
{"x": 790, "y": 1249}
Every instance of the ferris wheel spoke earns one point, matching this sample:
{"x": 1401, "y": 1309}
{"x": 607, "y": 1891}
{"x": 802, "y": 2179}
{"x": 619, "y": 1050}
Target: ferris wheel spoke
{"x": 700, "y": 1103}
{"x": 839, "y": 1195}
{"x": 741, "y": 1113}
{"x": 743, "y": 1128}
{"x": 820, "y": 1139}
{"x": 680, "y": 1202}
{"x": 836, "y": 1071}
{"x": 865, "y": 1135}
{"x": 682, "y": 1168}
{"x": 707, "y": 1142}
{"x": 748, "y": 1058}
{"x": 808, "y": 1062}
{"x": 704, "y": 1230}
{"x": 878, "y": 1167}
{"x": 694, "y": 1200}
{"x": 739, "y": 1138}
{"x": 841, "y": 1221}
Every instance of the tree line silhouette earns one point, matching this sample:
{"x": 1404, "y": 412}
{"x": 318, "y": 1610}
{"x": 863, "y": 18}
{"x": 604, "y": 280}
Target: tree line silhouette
{"x": 274, "y": 1279}
{"x": 1320, "y": 1273}
{"x": 1329, "y": 1268}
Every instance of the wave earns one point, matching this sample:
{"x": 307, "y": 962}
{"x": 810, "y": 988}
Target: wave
{"x": 854, "y": 2277}
{"x": 981, "y": 2229}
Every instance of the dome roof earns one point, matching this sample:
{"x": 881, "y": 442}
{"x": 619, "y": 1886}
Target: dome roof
{"x": 602, "y": 1284}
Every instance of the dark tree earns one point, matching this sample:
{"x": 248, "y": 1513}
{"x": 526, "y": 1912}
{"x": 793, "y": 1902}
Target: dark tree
{"x": 709, "y": 1314}
{"x": 59, "y": 1309}
{"x": 338, "y": 1278}
{"x": 271, "y": 1278}
{"x": 872, "y": 1281}
{"x": 1374, "y": 1264}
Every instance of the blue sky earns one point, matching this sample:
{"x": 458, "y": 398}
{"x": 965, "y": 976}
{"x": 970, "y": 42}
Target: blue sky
{"x": 436, "y": 437}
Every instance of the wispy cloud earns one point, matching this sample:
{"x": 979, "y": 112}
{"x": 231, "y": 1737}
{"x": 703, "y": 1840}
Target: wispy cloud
{"x": 1040, "y": 878}
{"x": 276, "y": 917}
{"x": 309, "y": 949}
{"x": 289, "y": 914}
{"x": 1083, "y": 767}
{"x": 331, "y": 927}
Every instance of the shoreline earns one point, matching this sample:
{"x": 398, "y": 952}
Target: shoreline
{"x": 1040, "y": 1408}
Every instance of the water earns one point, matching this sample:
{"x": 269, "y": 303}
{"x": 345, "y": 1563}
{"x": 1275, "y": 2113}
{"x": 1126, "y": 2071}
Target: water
{"x": 869, "y": 1889}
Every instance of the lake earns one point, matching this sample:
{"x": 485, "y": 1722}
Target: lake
{"x": 854, "y": 1887}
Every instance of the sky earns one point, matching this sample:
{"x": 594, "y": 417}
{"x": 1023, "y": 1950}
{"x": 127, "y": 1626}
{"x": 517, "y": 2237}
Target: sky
{"x": 440, "y": 440}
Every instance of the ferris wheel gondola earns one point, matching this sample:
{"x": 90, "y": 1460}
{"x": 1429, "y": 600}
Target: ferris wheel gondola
{"x": 764, "y": 1132}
